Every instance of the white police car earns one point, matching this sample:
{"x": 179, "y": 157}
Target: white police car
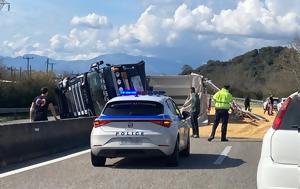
{"x": 140, "y": 125}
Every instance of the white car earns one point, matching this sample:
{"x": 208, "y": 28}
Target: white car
{"x": 280, "y": 155}
{"x": 280, "y": 103}
{"x": 137, "y": 126}
{"x": 275, "y": 103}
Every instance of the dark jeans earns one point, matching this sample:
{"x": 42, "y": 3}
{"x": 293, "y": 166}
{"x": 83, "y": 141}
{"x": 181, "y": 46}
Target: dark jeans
{"x": 194, "y": 122}
{"x": 224, "y": 115}
{"x": 40, "y": 117}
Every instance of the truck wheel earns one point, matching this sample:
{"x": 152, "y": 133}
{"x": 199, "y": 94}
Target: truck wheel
{"x": 97, "y": 161}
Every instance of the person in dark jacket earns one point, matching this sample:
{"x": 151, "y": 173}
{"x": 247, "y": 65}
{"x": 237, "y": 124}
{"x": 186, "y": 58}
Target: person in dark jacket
{"x": 39, "y": 107}
{"x": 247, "y": 103}
{"x": 271, "y": 108}
{"x": 195, "y": 110}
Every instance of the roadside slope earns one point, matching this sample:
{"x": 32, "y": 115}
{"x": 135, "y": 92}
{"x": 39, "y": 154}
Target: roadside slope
{"x": 258, "y": 73}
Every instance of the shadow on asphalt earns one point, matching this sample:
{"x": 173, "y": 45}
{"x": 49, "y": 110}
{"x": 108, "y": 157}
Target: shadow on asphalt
{"x": 236, "y": 139}
{"x": 194, "y": 161}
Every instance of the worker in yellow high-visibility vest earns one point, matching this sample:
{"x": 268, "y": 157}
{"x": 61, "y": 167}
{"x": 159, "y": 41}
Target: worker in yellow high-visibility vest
{"x": 223, "y": 100}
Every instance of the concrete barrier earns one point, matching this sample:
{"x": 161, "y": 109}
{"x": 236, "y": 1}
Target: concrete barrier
{"x": 19, "y": 142}
{"x": 253, "y": 101}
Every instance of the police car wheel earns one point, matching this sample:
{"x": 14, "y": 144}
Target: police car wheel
{"x": 186, "y": 151}
{"x": 97, "y": 161}
{"x": 173, "y": 159}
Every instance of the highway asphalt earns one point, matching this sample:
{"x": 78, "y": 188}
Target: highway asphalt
{"x": 205, "y": 168}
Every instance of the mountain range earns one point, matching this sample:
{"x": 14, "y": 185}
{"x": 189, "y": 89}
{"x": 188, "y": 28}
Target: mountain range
{"x": 257, "y": 73}
{"x": 154, "y": 66}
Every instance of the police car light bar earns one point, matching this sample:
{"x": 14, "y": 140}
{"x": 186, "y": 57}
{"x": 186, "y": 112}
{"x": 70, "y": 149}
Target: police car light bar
{"x": 136, "y": 93}
{"x": 129, "y": 92}
{"x": 156, "y": 92}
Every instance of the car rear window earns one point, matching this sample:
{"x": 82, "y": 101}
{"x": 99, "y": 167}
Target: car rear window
{"x": 291, "y": 120}
{"x": 131, "y": 108}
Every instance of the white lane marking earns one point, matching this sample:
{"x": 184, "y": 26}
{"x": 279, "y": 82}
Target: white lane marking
{"x": 223, "y": 155}
{"x": 43, "y": 164}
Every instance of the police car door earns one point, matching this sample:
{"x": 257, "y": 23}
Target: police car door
{"x": 183, "y": 126}
{"x": 177, "y": 119}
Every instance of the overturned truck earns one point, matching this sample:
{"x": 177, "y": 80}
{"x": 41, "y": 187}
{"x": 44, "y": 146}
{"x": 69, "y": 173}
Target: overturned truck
{"x": 178, "y": 87}
{"x": 87, "y": 93}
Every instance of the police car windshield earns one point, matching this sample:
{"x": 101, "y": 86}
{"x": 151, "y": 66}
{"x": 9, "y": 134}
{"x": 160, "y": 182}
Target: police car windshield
{"x": 133, "y": 108}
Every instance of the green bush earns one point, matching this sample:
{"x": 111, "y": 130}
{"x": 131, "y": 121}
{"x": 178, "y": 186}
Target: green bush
{"x": 20, "y": 93}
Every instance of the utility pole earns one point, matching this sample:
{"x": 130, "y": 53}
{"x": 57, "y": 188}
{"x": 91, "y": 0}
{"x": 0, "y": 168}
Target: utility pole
{"x": 47, "y": 65}
{"x": 3, "y": 3}
{"x": 10, "y": 69}
{"x": 11, "y": 72}
{"x": 30, "y": 70}
{"x": 14, "y": 74}
{"x": 51, "y": 63}
{"x": 28, "y": 64}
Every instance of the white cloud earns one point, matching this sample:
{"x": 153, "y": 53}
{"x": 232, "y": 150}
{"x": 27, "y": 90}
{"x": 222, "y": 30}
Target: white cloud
{"x": 280, "y": 7}
{"x": 197, "y": 19}
{"x": 146, "y": 31}
{"x": 20, "y": 45}
{"x": 172, "y": 37}
{"x": 91, "y": 20}
{"x": 250, "y": 24}
{"x": 79, "y": 44}
{"x": 36, "y": 45}
{"x": 181, "y": 30}
{"x": 224, "y": 43}
{"x": 253, "y": 18}
{"x": 57, "y": 42}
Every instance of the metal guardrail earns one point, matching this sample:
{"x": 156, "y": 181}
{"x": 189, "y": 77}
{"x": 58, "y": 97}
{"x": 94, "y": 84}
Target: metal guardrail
{"x": 241, "y": 100}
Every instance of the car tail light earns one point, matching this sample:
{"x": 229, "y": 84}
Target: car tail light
{"x": 164, "y": 123}
{"x": 99, "y": 122}
{"x": 279, "y": 117}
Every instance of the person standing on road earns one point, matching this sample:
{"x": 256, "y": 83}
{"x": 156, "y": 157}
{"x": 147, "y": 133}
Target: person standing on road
{"x": 271, "y": 105}
{"x": 223, "y": 100}
{"x": 39, "y": 107}
{"x": 247, "y": 103}
{"x": 195, "y": 110}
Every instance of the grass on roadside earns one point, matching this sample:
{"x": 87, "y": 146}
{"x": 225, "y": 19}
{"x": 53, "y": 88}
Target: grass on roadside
{"x": 12, "y": 117}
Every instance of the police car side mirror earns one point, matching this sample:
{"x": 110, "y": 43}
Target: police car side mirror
{"x": 185, "y": 114}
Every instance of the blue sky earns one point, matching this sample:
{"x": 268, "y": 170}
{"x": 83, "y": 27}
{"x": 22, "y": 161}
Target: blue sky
{"x": 184, "y": 31}
{"x": 53, "y": 16}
